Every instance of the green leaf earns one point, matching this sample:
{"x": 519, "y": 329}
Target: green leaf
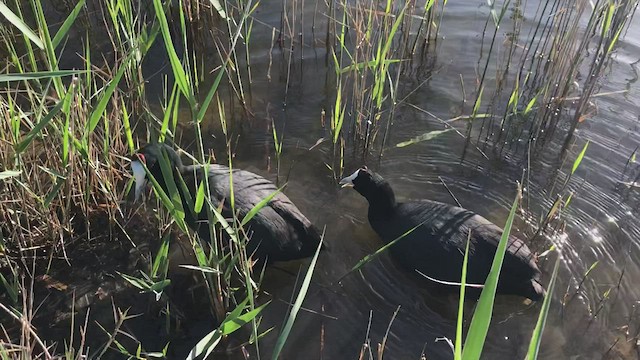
{"x": 178, "y": 71}
{"x": 476, "y": 105}
{"x": 127, "y": 127}
{"x": 157, "y": 287}
{"x": 9, "y": 173}
{"x": 536, "y": 337}
{"x": 424, "y": 137}
{"x": 11, "y": 288}
{"x": 204, "y": 269}
{"x": 457, "y": 353}
{"x": 167, "y": 114}
{"x": 186, "y": 193}
{"x": 56, "y": 189}
{"x": 284, "y": 334}
{"x": 513, "y": 98}
{"x": 177, "y": 214}
{"x": 136, "y": 282}
{"x": 66, "y": 110}
{"x": 64, "y": 29}
{"x": 17, "y": 22}
{"x": 39, "y": 126}
{"x": 96, "y": 115}
{"x": 578, "y": 160}
{"x": 276, "y": 143}
{"x": 482, "y": 316}
{"x": 161, "y": 261}
{"x": 566, "y": 202}
{"x": 219, "y": 9}
{"x": 530, "y": 105}
{"x": 38, "y": 75}
{"x": 259, "y": 207}
{"x": 609, "y": 17}
{"x": 367, "y": 64}
{"x": 167, "y": 174}
{"x": 554, "y": 209}
{"x": 365, "y": 260}
{"x": 231, "y": 323}
{"x": 197, "y": 207}
{"x": 614, "y": 40}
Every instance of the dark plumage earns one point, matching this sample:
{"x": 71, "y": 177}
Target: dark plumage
{"x": 278, "y": 232}
{"x": 436, "y": 248}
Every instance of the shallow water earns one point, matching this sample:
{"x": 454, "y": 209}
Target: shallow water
{"x": 602, "y": 218}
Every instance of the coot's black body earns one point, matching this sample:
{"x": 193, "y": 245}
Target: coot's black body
{"x": 436, "y": 248}
{"x": 278, "y": 232}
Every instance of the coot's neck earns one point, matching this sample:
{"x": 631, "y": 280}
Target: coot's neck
{"x": 382, "y": 201}
{"x": 177, "y": 169}
{"x": 187, "y": 173}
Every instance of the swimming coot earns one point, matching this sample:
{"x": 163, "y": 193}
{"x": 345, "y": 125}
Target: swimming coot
{"x": 436, "y": 248}
{"x": 278, "y": 232}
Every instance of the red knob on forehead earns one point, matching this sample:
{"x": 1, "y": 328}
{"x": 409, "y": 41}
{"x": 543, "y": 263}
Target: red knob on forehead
{"x": 142, "y": 159}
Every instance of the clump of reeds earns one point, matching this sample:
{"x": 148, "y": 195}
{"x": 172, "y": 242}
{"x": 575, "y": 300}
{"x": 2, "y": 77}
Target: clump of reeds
{"x": 63, "y": 134}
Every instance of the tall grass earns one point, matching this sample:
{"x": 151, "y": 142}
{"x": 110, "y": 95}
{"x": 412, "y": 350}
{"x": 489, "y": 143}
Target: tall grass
{"x": 61, "y": 137}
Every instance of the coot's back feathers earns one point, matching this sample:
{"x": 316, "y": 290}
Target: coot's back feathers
{"x": 436, "y": 248}
{"x": 289, "y": 233}
{"x": 278, "y": 232}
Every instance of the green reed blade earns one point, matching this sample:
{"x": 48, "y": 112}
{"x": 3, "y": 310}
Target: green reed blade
{"x": 365, "y": 260}
{"x": 38, "y": 75}
{"x": 536, "y": 337}
{"x": 282, "y": 338}
{"x": 231, "y": 323}
{"x": 578, "y": 160}
{"x": 530, "y": 105}
{"x": 424, "y": 137}
{"x": 207, "y": 100}
{"x": 40, "y": 125}
{"x": 98, "y": 111}
{"x": 178, "y": 70}
{"x": 66, "y": 25}
{"x": 614, "y": 40}
{"x": 457, "y": 353}
{"x": 482, "y": 316}
{"x": 21, "y": 25}
{"x": 52, "y": 57}
{"x": 176, "y": 213}
{"x": 219, "y": 9}
{"x": 259, "y": 206}
{"x": 127, "y": 128}
{"x": 160, "y": 264}
{"x": 197, "y": 207}
{"x": 167, "y": 114}
{"x": 9, "y": 174}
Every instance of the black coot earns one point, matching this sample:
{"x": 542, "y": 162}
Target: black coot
{"x": 278, "y": 232}
{"x": 436, "y": 248}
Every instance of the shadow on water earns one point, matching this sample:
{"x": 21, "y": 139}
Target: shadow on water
{"x": 340, "y": 318}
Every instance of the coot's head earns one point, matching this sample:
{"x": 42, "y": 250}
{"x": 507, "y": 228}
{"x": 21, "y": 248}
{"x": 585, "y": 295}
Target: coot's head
{"x": 370, "y": 185}
{"x": 150, "y": 156}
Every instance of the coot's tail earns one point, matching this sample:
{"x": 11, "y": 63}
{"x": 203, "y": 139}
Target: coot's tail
{"x": 536, "y": 291}
{"x": 311, "y": 241}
